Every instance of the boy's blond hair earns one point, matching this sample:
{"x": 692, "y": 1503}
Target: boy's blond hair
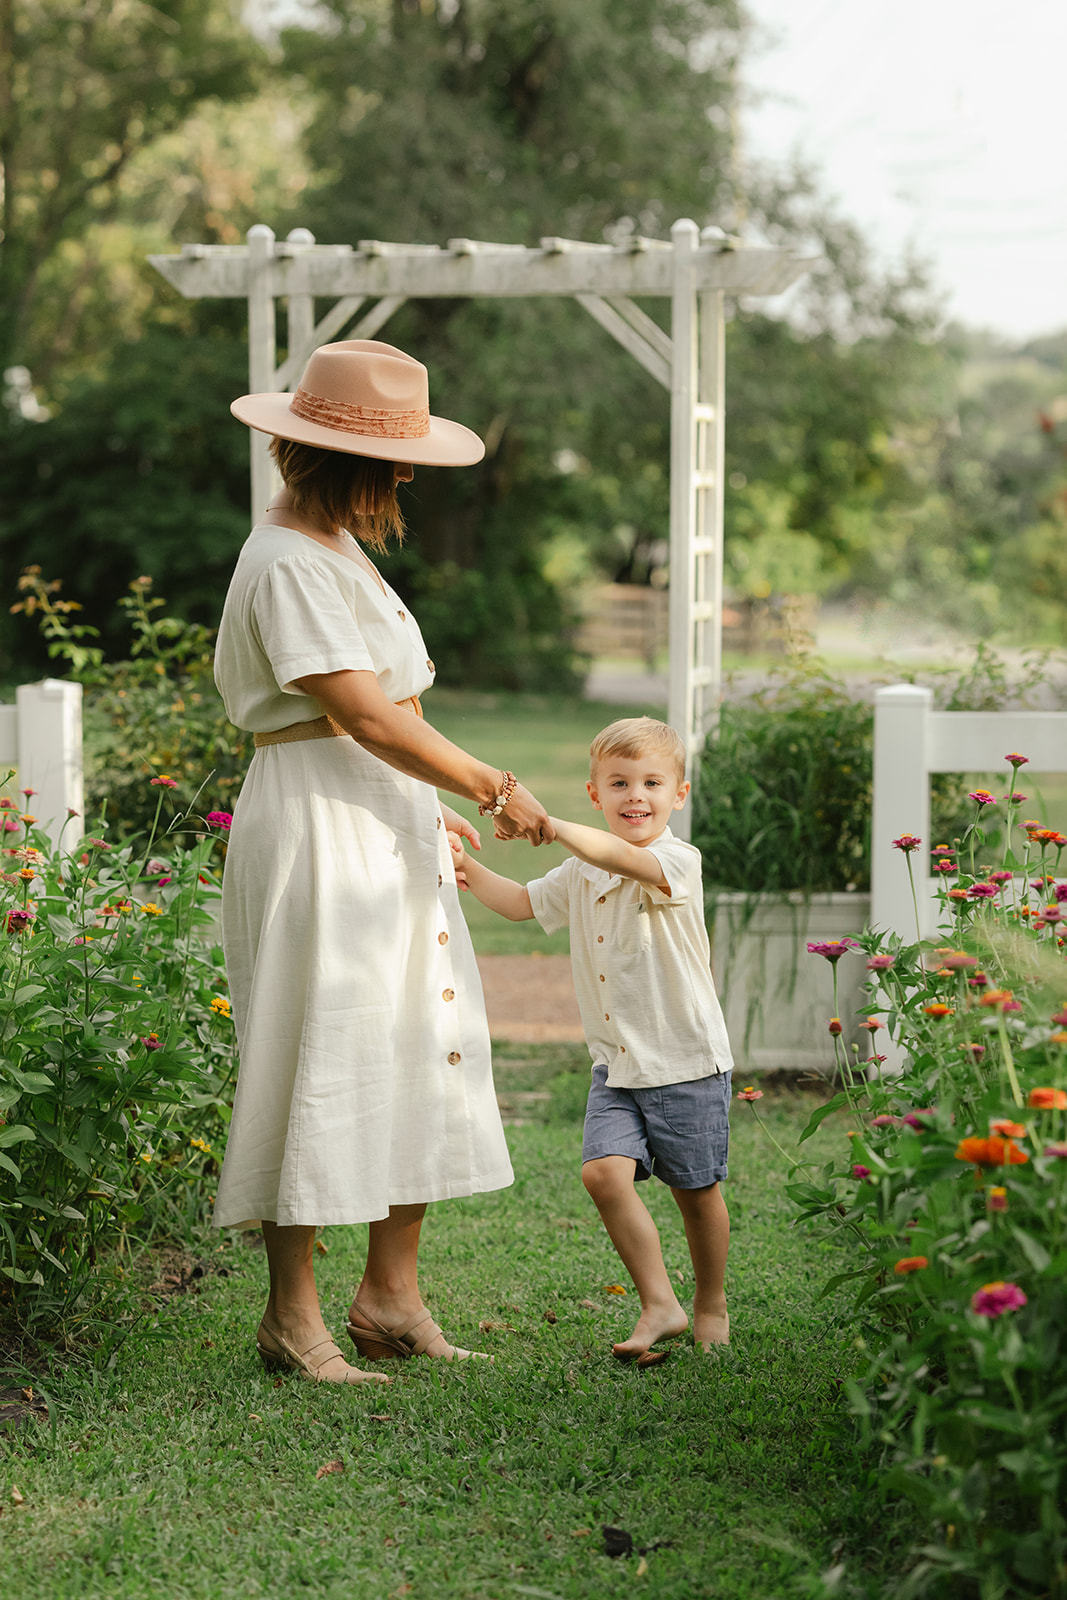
{"x": 634, "y": 737}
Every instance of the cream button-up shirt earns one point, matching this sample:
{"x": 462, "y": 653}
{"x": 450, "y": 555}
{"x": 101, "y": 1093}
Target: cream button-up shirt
{"x": 642, "y": 967}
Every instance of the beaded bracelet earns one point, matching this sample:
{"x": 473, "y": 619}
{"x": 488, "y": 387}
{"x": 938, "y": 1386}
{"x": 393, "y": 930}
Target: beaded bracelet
{"x": 507, "y": 789}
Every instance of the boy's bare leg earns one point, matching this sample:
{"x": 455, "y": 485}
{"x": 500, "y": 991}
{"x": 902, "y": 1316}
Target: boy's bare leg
{"x": 707, "y": 1231}
{"x": 610, "y": 1182}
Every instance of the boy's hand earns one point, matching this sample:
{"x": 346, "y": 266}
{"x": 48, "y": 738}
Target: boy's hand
{"x": 459, "y": 825}
{"x": 459, "y": 858}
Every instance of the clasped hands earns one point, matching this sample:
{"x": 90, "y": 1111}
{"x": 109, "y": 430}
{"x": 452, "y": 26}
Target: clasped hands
{"x": 524, "y": 818}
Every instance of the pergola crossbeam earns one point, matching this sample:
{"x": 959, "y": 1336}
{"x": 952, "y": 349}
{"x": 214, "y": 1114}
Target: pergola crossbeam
{"x": 695, "y": 270}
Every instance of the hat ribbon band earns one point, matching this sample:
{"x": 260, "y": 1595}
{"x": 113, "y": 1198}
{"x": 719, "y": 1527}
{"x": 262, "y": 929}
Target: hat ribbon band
{"x": 367, "y": 420}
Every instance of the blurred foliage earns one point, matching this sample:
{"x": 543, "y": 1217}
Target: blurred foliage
{"x": 155, "y": 711}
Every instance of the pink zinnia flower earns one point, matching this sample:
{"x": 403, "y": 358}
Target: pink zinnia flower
{"x": 944, "y": 864}
{"x": 880, "y": 963}
{"x": 871, "y": 1024}
{"x": 911, "y": 1118}
{"x": 907, "y": 842}
{"x": 1016, "y": 760}
{"x": 886, "y": 1121}
{"x": 1000, "y": 877}
{"x": 859, "y": 1170}
{"x": 983, "y": 891}
{"x": 875, "y": 1061}
{"x": 832, "y": 949}
{"x": 994, "y": 1299}
{"x": 997, "y": 1199}
{"x": 163, "y": 782}
{"x": 152, "y": 1041}
{"x": 1058, "y": 1149}
{"x": 1015, "y": 799}
{"x": 982, "y": 797}
{"x": 29, "y": 793}
{"x": 19, "y": 921}
{"x": 1060, "y": 1018}
{"x": 978, "y": 980}
{"x": 220, "y": 819}
{"x": 1060, "y": 891}
{"x": 977, "y": 1050}
{"x": 750, "y": 1094}
{"x": 10, "y": 825}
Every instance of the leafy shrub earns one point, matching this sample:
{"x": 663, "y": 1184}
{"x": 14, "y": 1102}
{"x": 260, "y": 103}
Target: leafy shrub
{"x": 117, "y": 1054}
{"x": 951, "y": 1200}
{"x": 156, "y": 711}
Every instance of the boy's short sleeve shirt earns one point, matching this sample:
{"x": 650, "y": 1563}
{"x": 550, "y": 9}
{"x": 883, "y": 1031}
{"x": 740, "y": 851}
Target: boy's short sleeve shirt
{"x": 642, "y": 967}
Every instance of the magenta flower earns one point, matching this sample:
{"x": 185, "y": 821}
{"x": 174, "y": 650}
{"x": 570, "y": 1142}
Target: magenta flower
{"x": 1014, "y": 799}
{"x": 1000, "y": 877}
{"x": 19, "y": 921}
{"x": 977, "y": 1050}
{"x": 29, "y": 793}
{"x": 835, "y": 1027}
{"x": 1060, "y": 1018}
{"x": 1059, "y": 1150}
{"x": 1016, "y": 760}
{"x": 983, "y": 891}
{"x": 982, "y": 797}
{"x": 886, "y": 1121}
{"x": 911, "y": 1118}
{"x": 943, "y": 864}
{"x": 10, "y": 825}
{"x": 860, "y": 1171}
{"x": 907, "y": 842}
{"x": 875, "y": 1060}
{"x": 880, "y": 963}
{"x": 220, "y": 819}
{"x": 161, "y": 881}
{"x": 994, "y": 1299}
{"x": 152, "y": 1041}
{"x": 1060, "y": 891}
{"x": 163, "y": 782}
{"x": 832, "y": 949}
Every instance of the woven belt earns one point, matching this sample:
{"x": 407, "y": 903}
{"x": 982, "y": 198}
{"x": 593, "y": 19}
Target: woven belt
{"x": 323, "y": 727}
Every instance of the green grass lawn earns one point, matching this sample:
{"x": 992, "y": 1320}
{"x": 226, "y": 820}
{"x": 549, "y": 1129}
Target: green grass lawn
{"x": 545, "y": 742}
{"x": 181, "y": 1470}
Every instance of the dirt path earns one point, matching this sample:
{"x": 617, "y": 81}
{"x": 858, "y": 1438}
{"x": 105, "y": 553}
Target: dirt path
{"x": 530, "y": 999}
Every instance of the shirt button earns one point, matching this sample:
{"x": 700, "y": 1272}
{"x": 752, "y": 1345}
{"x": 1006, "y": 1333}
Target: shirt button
{"x": 602, "y": 979}
{"x": 438, "y": 822}
{"x": 402, "y": 615}
{"x": 442, "y": 938}
{"x": 622, "y": 1049}
{"x": 600, "y": 938}
{"x": 430, "y": 666}
{"x": 606, "y": 1017}
{"x": 454, "y": 1057}
{"x": 440, "y": 880}
{"x": 448, "y": 994}
{"x": 603, "y": 897}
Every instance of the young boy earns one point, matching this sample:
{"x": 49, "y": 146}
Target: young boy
{"x": 660, "y": 1096}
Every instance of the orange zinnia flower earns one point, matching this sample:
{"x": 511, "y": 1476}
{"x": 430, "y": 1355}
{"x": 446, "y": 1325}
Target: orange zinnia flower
{"x": 937, "y": 1011}
{"x": 992, "y": 1152}
{"x": 911, "y": 1264}
{"x": 1008, "y": 1130}
{"x": 1047, "y": 1099}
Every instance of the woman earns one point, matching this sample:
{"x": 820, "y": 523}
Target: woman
{"x": 365, "y": 1087}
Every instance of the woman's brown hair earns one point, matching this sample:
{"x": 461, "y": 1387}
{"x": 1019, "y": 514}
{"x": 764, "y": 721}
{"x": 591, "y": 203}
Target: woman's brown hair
{"x": 341, "y": 490}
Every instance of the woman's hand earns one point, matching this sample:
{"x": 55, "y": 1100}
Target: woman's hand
{"x": 524, "y": 818}
{"x": 459, "y": 825}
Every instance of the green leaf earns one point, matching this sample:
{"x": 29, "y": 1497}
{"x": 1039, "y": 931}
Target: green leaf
{"x": 1034, "y": 1252}
{"x": 15, "y": 1134}
{"x": 819, "y": 1116}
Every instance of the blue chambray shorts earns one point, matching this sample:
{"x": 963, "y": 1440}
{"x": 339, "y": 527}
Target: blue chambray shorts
{"x": 680, "y": 1132}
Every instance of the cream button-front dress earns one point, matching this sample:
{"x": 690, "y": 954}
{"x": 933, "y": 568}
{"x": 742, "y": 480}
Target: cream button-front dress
{"x": 365, "y": 1078}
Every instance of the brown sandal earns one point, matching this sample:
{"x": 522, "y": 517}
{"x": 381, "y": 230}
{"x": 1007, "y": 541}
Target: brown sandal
{"x": 407, "y": 1339}
{"x": 279, "y": 1353}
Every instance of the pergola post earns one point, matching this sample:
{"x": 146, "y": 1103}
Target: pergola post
{"x": 261, "y": 354}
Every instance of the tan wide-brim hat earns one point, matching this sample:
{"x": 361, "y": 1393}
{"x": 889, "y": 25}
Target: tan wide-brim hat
{"x": 367, "y": 399}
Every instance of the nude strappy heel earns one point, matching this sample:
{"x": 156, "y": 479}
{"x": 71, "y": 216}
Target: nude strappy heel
{"x": 376, "y": 1342}
{"x": 276, "y": 1352}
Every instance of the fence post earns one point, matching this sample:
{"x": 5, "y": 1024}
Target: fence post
{"x": 901, "y": 804}
{"x": 49, "y": 744}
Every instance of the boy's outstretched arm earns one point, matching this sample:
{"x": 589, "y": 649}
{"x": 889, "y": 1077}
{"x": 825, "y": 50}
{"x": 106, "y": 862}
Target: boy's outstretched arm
{"x": 604, "y": 850}
{"x": 507, "y": 898}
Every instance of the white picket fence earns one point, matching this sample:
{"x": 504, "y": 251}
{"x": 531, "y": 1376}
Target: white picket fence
{"x": 41, "y": 737}
{"x": 911, "y": 741}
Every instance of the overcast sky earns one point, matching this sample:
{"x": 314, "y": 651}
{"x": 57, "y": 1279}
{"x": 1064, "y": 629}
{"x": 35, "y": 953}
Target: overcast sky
{"x": 938, "y": 123}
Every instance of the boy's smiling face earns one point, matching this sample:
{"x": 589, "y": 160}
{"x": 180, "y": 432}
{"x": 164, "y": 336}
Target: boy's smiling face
{"x": 637, "y": 795}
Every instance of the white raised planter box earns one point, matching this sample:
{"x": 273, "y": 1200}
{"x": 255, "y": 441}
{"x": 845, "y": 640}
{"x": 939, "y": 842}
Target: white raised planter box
{"x": 778, "y": 999}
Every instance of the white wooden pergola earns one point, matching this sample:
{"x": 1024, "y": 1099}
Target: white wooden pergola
{"x": 696, "y": 270}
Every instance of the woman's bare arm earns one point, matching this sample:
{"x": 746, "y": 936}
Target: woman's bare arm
{"x": 356, "y": 701}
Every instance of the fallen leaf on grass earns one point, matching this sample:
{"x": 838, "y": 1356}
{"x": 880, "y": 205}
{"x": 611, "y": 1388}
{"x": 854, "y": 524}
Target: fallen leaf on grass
{"x": 642, "y": 1568}
{"x": 580, "y": 1533}
{"x": 614, "y": 1288}
{"x": 278, "y": 1383}
{"x": 550, "y": 1316}
{"x": 380, "y": 1416}
{"x": 652, "y": 1358}
{"x": 323, "y": 1249}
{"x": 496, "y": 1327}
{"x": 254, "y": 1416}
{"x": 590, "y": 1305}
{"x": 330, "y": 1466}
{"x": 17, "y": 1497}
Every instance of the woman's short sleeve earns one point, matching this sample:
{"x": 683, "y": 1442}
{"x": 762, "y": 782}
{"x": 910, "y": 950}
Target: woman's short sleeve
{"x": 304, "y": 624}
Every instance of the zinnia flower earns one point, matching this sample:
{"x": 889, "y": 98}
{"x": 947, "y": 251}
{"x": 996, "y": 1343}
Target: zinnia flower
{"x": 910, "y": 1264}
{"x": 220, "y": 819}
{"x": 1057, "y": 1149}
{"x": 1047, "y": 1099}
{"x": 911, "y": 1118}
{"x": 997, "y": 1199}
{"x": 937, "y": 1011}
{"x": 983, "y": 891}
{"x": 1060, "y": 1017}
{"x": 1015, "y": 799}
{"x": 1007, "y": 1128}
{"x": 991, "y": 1152}
{"x": 1000, "y": 1000}
{"x": 163, "y": 782}
{"x": 1060, "y": 892}
{"x": 152, "y": 1041}
{"x": 982, "y": 797}
{"x": 1000, "y": 877}
{"x": 944, "y": 865}
{"x": 958, "y": 960}
{"x": 19, "y": 921}
{"x": 860, "y": 1171}
{"x": 907, "y": 842}
{"x": 880, "y": 963}
{"x": 750, "y": 1094}
{"x": 832, "y": 949}
{"x": 977, "y": 980}
{"x": 958, "y": 894}
{"x": 150, "y": 909}
{"x": 886, "y": 1121}
{"x": 994, "y": 1299}
{"x": 220, "y": 1006}
{"x": 977, "y": 1050}
{"x": 871, "y": 1024}
{"x": 835, "y": 1026}
{"x": 1016, "y": 760}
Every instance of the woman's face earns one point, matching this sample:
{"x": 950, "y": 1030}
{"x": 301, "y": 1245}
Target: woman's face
{"x": 404, "y": 471}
